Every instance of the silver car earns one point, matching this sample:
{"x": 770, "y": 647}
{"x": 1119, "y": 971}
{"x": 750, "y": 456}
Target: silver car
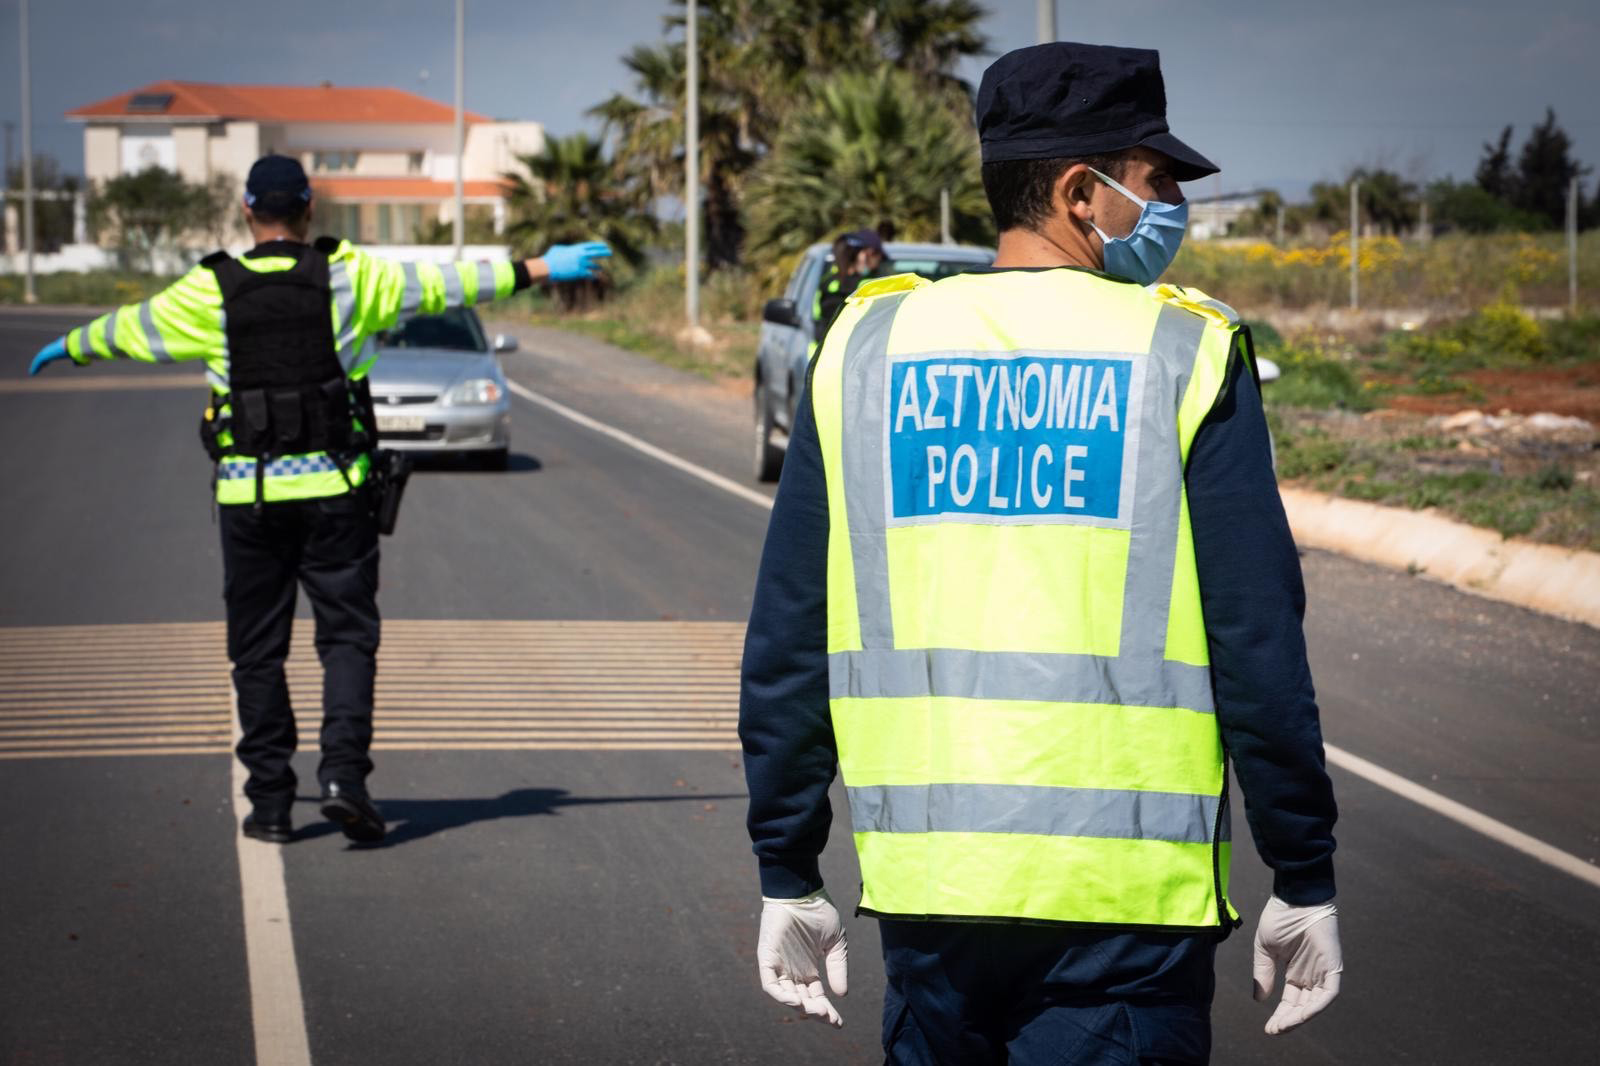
{"x": 438, "y": 387}
{"x": 786, "y": 332}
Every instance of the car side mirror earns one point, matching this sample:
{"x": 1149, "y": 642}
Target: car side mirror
{"x": 504, "y": 342}
{"x": 780, "y": 312}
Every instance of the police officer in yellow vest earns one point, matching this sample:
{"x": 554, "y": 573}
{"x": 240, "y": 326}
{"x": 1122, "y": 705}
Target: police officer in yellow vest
{"x": 1028, "y": 587}
{"x": 285, "y": 333}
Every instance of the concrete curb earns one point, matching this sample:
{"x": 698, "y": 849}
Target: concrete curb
{"x": 1560, "y": 581}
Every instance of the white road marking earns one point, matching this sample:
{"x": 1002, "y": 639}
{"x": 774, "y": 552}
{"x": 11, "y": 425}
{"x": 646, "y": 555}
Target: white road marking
{"x": 1388, "y": 779}
{"x": 659, "y": 454}
{"x": 1464, "y": 815}
{"x": 276, "y": 1008}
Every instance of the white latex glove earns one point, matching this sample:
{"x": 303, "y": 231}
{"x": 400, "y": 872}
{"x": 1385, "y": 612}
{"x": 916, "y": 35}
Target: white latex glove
{"x": 796, "y": 935}
{"x": 1307, "y": 939}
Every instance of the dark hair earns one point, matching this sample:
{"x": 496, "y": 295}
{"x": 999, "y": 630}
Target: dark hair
{"x": 843, "y": 252}
{"x": 280, "y": 210}
{"x": 887, "y": 229}
{"x": 1021, "y": 191}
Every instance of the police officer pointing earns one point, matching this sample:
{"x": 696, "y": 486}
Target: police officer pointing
{"x": 285, "y": 333}
{"x": 1029, "y": 587}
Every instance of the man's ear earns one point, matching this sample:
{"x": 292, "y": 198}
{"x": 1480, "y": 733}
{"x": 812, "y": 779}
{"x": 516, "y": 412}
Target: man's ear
{"x": 1073, "y": 191}
{"x": 249, "y": 216}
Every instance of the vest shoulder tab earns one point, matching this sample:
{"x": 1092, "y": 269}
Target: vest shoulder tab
{"x": 327, "y": 245}
{"x": 214, "y": 258}
{"x": 870, "y": 290}
{"x": 1198, "y": 302}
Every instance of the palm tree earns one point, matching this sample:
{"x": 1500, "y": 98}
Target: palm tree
{"x": 761, "y": 61}
{"x": 573, "y": 196}
{"x": 870, "y": 147}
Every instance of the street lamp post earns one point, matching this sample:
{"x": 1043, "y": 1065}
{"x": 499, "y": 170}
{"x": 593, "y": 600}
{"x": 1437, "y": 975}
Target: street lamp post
{"x": 1572, "y": 246}
{"x": 1047, "y": 21}
{"x": 460, "y": 229}
{"x": 691, "y": 183}
{"x": 28, "y": 294}
{"x": 1355, "y": 245}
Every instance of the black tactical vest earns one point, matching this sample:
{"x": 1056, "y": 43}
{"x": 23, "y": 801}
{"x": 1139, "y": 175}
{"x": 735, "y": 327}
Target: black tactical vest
{"x": 287, "y": 391}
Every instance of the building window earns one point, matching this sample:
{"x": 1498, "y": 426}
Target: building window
{"x": 332, "y": 162}
{"x": 414, "y": 163}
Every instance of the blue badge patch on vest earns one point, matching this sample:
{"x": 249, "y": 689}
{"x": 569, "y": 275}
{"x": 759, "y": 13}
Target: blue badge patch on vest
{"x": 1016, "y": 437}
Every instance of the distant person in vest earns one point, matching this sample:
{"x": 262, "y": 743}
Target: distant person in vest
{"x": 1027, "y": 587}
{"x": 856, "y": 255}
{"x": 285, "y": 333}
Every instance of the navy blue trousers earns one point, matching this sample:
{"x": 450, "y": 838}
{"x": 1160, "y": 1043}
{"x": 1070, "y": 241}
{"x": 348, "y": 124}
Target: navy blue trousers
{"x": 968, "y": 993}
{"x": 330, "y": 546}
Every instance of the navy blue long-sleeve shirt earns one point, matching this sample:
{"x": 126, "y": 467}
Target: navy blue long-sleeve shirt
{"x": 1253, "y": 598}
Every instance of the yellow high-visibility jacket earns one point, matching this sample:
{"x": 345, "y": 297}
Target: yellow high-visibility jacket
{"x": 185, "y": 321}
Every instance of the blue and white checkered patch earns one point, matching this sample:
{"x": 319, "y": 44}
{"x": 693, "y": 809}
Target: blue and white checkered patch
{"x": 237, "y": 469}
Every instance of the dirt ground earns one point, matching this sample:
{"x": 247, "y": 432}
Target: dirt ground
{"x": 1570, "y": 390}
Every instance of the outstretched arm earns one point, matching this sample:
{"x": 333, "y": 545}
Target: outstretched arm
{"x": 385, "y": 289}
{"x": 183, "y": 321}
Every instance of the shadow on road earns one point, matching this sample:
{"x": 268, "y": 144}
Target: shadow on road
{"x": 445, "y": 462}
{"x": 414, "y": 819}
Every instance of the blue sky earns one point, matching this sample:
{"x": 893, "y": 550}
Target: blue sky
{"x": 1278, "y": 93}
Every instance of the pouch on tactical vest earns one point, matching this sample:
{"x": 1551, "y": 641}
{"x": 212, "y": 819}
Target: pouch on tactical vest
{"x": 288, "y": 393}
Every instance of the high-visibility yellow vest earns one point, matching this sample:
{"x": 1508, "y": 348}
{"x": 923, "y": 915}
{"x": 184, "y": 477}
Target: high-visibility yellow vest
{"x": 368, "y": 294}
{"x": 1018, "y": 664}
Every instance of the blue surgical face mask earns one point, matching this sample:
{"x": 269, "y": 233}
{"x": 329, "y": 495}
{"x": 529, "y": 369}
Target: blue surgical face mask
{"x": 1142, "y": 255}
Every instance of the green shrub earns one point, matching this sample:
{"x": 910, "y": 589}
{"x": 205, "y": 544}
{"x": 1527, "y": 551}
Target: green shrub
{"x": 94, "y": 289}
{"x": 1312, "y": 378}
{"x": 1311, "y": 453}
{"x": 1553, "y": 478}
{"x": 1573, "y": 339}
{"x": 1263, "y": 335}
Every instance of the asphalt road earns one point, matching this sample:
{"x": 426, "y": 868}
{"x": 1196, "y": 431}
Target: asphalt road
{"x": 590, "y": 898}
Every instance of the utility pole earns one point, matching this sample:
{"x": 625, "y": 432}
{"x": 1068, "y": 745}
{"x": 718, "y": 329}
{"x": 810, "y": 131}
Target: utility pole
{"x": 28, "y": 295}
{"x": 691, "y": 182}
{"x": 944, "y": 217}
{"x": 1424, "y": 231}
{"x": 1278, "y": 234}
{"x": 1355, "y": 244}
{"x": 1572, "y": 246}
{"x": 1047, "y": 21}
{"x": 461, "y": 125}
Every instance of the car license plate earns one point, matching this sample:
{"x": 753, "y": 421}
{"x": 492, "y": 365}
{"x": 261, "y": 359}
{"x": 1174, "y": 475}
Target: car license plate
{"x": 401, "y": 423}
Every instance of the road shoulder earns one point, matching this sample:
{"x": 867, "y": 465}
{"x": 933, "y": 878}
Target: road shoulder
{"x": 1559, "y": 581}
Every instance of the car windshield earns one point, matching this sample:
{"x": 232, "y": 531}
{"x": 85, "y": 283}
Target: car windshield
{"x": 455, "y": 330}
{"x": 932, "y": 269}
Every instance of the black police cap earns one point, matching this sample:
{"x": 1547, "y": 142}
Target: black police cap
{"x": 1066, "y": 101}
{"x": 277, "y": 183}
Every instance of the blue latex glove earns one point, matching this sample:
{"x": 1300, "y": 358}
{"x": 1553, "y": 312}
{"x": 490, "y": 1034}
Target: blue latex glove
{"x": 576, "y": 262}
{"x": 50, "y": 353}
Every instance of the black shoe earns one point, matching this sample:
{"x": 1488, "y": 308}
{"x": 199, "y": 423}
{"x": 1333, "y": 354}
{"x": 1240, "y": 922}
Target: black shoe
{"x": 353, "y": 812}
{"x": 274, "y": 828}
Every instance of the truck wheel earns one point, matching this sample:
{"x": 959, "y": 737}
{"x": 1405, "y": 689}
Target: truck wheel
{"x": 768, "y": 459}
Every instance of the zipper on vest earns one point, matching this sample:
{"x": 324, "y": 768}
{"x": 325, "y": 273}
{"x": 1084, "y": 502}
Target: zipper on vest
{"x": 1224, "y": 920}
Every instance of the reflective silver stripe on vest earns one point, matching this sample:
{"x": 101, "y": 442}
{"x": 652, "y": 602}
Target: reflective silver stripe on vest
{"x": 1139, "y": 674}
{"x": 485, "y": 282}
{"x": 1157, "y": 506}
{"x": 1016, "y": 675}
{"x": 412, "y": 297}
{"x": 152, "y": 334}
{"x": 1041, "y": 810}
{"x": 866, "y": 382}
{"x": 344, "y": 301}
{"x": 452, "y": 284}
{"x": 108, "y": 333}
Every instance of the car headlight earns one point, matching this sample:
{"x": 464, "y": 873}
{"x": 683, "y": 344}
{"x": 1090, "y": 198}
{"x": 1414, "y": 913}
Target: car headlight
{"x": 473, "y": 392}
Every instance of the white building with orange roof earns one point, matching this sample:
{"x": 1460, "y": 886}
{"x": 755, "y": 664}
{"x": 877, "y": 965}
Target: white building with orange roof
{"x": 382, "y": 161}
